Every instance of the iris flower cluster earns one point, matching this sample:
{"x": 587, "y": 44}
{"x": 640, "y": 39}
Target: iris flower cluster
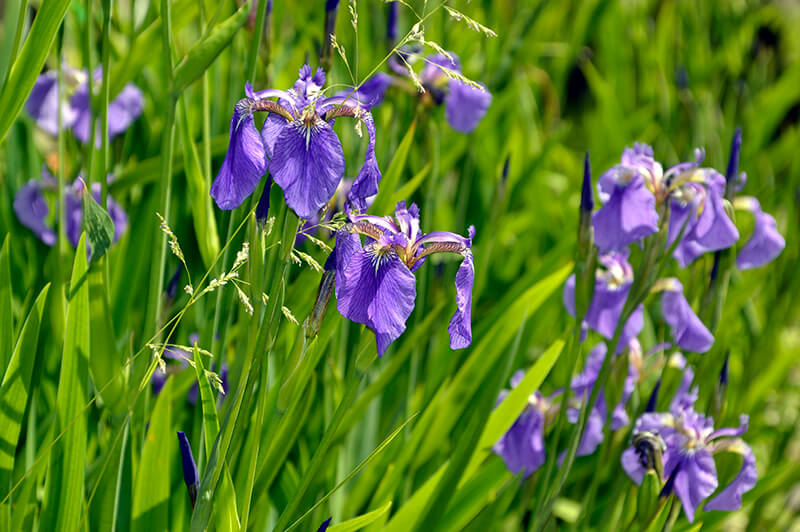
{"x": 42, "y": 104}
{"x": 684, "y": 443}
{"x": 32, "y": 208}
{"x": 297, "y": 145}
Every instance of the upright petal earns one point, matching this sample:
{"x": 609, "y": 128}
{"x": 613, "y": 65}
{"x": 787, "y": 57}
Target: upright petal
{"x": 366, "y": 183}
{"x": 730, "y": 498}
{"x": 244, "y": 163}
{"x": 307, "y": 163}
{"x": 628, "y": 215}
{"x": 378, "y": 291}
{"x": 765, "y": 244}
{"x": 460, "y": 327}
{"x": 687, "y": 330}
{"x": 466, "y": 105}
{"x": 32, "y": 210}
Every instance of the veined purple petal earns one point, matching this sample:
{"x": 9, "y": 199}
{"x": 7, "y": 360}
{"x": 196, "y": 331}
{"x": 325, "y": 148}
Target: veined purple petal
{"x": 465, "y": 105}
{"x": 765, "y": 244}
{"x": 732, "y": 432}
{"x": 245, "y": 162}
{"x": 730, "y": 498}
{"x": 366, "y": 183}
{"x": 687, "y": 330}
{"x": 32, "y": 210}
{"x": 628, "y": 215}
{"x": 460, "y": 327}
{"x": 695, "y": 480}
{"x": 42, "y": 104}
{"x": 307, "y": 163}
{"x": 378, "y": 291}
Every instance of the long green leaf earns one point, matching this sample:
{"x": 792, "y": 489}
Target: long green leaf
{"x": 203, "y": 53}
{"x": 16, "y": 386}
{"x": 30, "y": 61}
{"x": 6, "y": 316}
{"x": 227, "y": 516}
{"x": 357, "y": 523}
{"x": 512, "y": 406}
{"x": 152, "y": 485}
{"x": 64, "y": 495}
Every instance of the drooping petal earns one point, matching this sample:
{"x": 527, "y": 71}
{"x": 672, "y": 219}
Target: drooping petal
{"x": 628, "y": 215}
{"x": 245, "y": 162}
{"x": 730, "y": 498}
{"x": 765, "y": 244}
{"x": 366, "y": 183}
{"x": 695, "y": 480}
{"x": 522, "y": 446}
{"x": 378, "y": 291}
{"x": 307, "y": 163}
{"x": 466, "y": 105}
{"x": 687, "y": 329}
{"x": 32, "y": 210}
{"x": 460, "y": 327}
{"x": 42, "y": 104}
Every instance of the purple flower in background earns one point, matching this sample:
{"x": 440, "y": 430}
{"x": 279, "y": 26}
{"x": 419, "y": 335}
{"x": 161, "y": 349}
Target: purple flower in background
{"x": 699, "y": 205}
{"x": 766, "y": 242}
{"x": 687, "y": 329}
{"x": 32, "y": 209}
{"x": 42, "y": 105}
{"x": 190, "y": 475}
{"x": 689, "y": 445}
{"x": 629, "y": 211}
{"x": 297, "y": 145}
{"x": 614, "y": 279}
{"x": 375, "y": 283}
{"x": 522, "y": 446}
{"x": 370, "y": 93}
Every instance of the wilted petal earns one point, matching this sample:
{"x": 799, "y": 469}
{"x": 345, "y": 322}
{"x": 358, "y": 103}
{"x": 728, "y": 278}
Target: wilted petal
{"x": 32, "y": 210}
{"x": 245, "y": 162}
{"x": 730, "y": 498}
{"x": 376, "y": 291}
{"x": 460, "y": 327}
{"x": 628, "y": 215}
{"x": 687, "y": 329}
{"x": 695, "y": 480}
{"x": 765, "y": 244}
{"x": 366, "y": 183}
{"x": 466, "y": 105}
{"x": 307, "y": 163}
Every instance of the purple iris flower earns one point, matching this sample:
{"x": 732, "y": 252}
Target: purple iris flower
{"x": 465, "y": 103}
{"x": 613, "y": 282}
{"x": 690, "y": 443}
{"x": 375, "y": 283}
{"x": 699, "y": 204}
{"x": 629, "y": 211}
{"x": 32, "y": 209}
{"x": 42, "y": 105}
{"x": 766, "y": 243}
{"x": 522, "y": 446}
{"x": 297, "y": 145}
{"x": 190, "y": 475}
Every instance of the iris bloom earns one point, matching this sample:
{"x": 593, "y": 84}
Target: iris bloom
{"x": 613, "y": 282}
{"x": 297, "y": 145}
{"x": 42, "y": 105}
{"x": 32, "y": 208}
{"x": 375, "y": 283}
{"x": 441, "y": 80}
{"x": 689, "y": 445}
